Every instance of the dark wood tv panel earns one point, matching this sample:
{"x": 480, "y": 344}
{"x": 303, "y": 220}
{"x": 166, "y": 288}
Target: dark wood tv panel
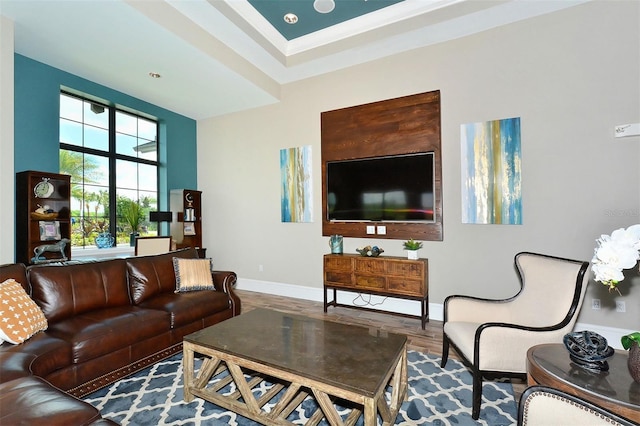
{"x": 389, "y": 276}
{"x": 405, "y": 125}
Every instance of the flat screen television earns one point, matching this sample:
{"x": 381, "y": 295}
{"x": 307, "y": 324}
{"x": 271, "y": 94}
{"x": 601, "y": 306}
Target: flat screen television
{"x": 392, "y": 188}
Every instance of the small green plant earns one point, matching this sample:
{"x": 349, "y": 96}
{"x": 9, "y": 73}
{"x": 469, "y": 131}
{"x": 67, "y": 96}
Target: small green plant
{"x": 412, "y": 244}
{"x": 628, "y": 340}
{"x": 132, "y": 214}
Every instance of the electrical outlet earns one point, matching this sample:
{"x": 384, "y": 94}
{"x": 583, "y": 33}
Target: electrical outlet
{"x": 595, "y": 304}
{"x": 260, "y": 268}
{"x": 620, "y": 306}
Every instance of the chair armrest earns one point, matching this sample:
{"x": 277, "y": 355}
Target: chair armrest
{"x": 475, "y": 309}
{"x": 225, "y": 281}
{"x": 491, "y": 339}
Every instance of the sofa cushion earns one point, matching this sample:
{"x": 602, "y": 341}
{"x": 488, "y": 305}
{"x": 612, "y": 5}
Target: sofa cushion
{"x": 33, "y": 401}
{"x": 186, "y": 308}
{"x": 193, "y": 274}
{"x": 41, "y": 355}
{"x": 20, "y": 317}
{"x": 64, "y": 291}
{"x": 18, "y": 272}
{"x": 102, "y": 331}
{"x": 152, "y": 275}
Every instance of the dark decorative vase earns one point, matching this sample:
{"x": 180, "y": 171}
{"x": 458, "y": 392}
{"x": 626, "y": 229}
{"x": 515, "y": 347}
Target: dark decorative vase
{"x": 634, "y": 362}
{"x": 104, "y": 240}
{"x": 132, "y": 239}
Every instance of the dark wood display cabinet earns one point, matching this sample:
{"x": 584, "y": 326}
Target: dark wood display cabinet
{"x": 186, "y": 227}
{"x": 43, "y": 224}
{"x": 385, "y": 276}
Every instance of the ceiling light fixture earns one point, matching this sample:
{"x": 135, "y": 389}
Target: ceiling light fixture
{"x": 290, "y": 18}
{"x": 324, "y": 6}
{"x": 154, "y": 75}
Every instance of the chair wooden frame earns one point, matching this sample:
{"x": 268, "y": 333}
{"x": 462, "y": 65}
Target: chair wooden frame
{"x": 474, "y": 364}
{"x": 152, "y": 245}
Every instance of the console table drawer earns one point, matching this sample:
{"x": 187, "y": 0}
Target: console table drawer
{"x": 338, "y": 277}
{"x": 410, "y": 287}
{"x": 371, "y": 266}
{"x": 370, "y": 281}
{"x": 338, "y": 263}
{"x": 406, "y": 269}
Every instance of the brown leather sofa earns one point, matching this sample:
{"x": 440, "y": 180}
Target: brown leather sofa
{"x": 106, "y": 320}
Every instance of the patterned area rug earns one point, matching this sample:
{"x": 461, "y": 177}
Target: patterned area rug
{"x": 436, "y": 396}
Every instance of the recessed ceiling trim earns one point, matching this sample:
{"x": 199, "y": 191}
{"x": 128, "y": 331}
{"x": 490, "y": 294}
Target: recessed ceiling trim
{"x": 254, "y": 24}
{"x": 198, "y": 38}
{"x": 263, "y": 33}
{"x": 215, "y": 60}
{"x": 365, "y": 23}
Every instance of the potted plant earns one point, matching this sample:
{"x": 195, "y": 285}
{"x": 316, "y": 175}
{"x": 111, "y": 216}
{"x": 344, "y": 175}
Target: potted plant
{"x": 615, "y": 253}
{"x": 412, "y": 246}
{"x": 132, "y": 215}
{"x": 631, "y": 342}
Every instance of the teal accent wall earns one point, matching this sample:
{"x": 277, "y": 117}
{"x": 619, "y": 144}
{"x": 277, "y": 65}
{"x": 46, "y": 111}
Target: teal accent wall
{"x": 37, "y": 90}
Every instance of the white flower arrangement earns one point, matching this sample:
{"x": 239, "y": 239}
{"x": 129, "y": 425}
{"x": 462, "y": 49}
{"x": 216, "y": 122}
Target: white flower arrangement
{"x": 619, "y": 251}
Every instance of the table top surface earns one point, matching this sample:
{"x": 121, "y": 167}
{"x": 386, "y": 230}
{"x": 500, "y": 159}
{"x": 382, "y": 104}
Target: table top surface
{"x": 615, "y": 385}
{"x": 350, "y": 357}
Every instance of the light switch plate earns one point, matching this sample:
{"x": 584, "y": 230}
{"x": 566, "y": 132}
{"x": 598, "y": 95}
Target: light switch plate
{"x": 382, "y": 230}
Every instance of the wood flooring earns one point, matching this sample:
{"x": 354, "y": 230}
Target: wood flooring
{"x": 427, "y": 341}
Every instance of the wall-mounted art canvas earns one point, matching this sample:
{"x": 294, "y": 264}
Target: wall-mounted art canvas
{"x": 491, "y": 172}
{"x": 296, "y": 190}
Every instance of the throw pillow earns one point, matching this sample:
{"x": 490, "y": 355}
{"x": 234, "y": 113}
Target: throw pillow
{"x": 20, "y": 317}
{"x": 193, "y": 274}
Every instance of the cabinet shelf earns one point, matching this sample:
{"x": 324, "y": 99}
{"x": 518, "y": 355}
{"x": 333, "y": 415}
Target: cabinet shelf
{"x": 29, "y": 232}
{"x": 186, "y": 227}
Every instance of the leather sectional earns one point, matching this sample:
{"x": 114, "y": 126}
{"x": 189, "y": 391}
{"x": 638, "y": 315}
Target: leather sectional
{"x": 106, "y": 320}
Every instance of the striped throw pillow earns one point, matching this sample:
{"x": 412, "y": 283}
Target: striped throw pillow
{"x": 193, "y": 274}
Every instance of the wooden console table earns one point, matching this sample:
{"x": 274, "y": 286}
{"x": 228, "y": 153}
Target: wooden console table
{"x": 384, "y": 276}
{"x": 614, "y": 390}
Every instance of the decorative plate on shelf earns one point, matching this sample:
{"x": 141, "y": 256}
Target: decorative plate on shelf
{"x": 43, "y": 189}
{"x": 44, "y": 216}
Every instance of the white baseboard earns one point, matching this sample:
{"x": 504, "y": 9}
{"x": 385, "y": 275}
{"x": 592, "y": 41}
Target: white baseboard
{"x": 389, "y": 304}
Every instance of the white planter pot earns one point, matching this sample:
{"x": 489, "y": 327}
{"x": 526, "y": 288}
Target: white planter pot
{"x": 412, "y": 254}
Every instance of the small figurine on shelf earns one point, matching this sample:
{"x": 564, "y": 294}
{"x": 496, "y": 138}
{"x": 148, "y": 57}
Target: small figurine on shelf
{"x": 44, "y": 213}
{"x": 54, "y": 248}
{"x": 369, "y": 251}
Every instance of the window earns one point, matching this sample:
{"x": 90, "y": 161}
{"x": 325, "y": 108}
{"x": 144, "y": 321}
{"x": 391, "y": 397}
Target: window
{"x": 112, "y": 157}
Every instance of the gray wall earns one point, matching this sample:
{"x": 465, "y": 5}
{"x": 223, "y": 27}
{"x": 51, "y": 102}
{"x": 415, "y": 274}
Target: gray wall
{"x": 571, "y": 76}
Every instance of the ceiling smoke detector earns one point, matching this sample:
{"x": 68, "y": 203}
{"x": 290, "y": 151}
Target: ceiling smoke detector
{"x": 324, "y": 6}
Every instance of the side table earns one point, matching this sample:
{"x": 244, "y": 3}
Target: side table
{"x": 614, "y": 390}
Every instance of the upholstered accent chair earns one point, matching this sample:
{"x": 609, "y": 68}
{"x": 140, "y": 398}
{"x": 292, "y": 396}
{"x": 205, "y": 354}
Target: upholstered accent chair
{"x": 492, "y": 336}
{"x": 146, "y": 246}
{"x": 543, "y": 406}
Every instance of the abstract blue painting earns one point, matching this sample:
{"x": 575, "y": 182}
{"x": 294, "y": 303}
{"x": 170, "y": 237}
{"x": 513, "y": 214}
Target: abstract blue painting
{"x": 491, "y": 172}
{"x": 295, "y": 183}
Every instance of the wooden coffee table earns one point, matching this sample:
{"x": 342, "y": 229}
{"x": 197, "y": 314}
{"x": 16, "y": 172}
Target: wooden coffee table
{"x": 615, "y": 390}
{"x": 334, "y": 363}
